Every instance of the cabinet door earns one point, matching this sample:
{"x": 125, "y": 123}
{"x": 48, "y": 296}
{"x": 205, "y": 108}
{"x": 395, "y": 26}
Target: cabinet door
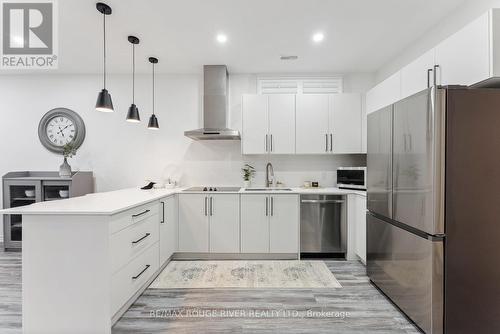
{"x": 360, "y": 226}
{"x": 254, "y": 224}
{"x": 415, "y": 76}
{"x": 224, "y": 211}
{"x": 284, "y": 224}
{"x": 345, "y": 123}
{"x": 464, "y": 58}
{"x": 193, "y": 223}
{"x": 168, "y": 228}
{"x": 254, "y": 138}
{"x": 282, "y": 124}
{"x": 312, "y": 124}
{"x": 385, "y": 93}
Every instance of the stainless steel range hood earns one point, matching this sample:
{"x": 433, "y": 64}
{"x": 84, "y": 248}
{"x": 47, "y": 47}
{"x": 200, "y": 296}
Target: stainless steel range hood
{"x": 215, "y": 106}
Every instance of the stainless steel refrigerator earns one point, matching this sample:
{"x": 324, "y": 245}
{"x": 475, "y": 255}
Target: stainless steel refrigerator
{"x": 433, "y": 221}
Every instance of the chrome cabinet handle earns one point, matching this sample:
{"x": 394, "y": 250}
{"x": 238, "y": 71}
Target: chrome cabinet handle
{"x": 267, "y": 146}
{"x": 206, "y": 206}
{"x": 267, "y": 207}
{"x": 211, "y": 206}
{"x": 326, "y": 142}
{"x": 271, "y": 142}
{"x": 272, "y": 206}
{"x": 163, "y": 213}
{"x": 429, "y": 70}
{"x": 140, "y": 239}
{"x": 331, "y": 142}
{"x": 319, "y": 201}
{"x": 435, "y": 74}
{"x": 142, "y": 272}
{"x": 405, "y": 144}
{"x": 140, "y": 214}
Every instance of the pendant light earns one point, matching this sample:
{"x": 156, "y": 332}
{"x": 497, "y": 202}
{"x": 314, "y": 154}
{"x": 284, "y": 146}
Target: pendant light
{"x": 153, "y": 121}
{"x": 133, "y": 112}
{"x": 104, "y": 102}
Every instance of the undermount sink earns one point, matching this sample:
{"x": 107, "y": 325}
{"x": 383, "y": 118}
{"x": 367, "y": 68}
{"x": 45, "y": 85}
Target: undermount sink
{"x": 268, "y": 189}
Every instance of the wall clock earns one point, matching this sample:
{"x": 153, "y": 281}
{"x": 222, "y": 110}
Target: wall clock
{"x": 61, "y": 126}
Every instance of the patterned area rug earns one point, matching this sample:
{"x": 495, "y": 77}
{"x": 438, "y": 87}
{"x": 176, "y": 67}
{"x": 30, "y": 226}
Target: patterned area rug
{"x": 245, "y": 274}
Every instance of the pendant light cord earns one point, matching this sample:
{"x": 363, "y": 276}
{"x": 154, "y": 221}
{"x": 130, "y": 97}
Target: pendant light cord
{"x": 133, "y": 73}
{"x": 104, "y": 47}
{"x": 153, "y": 88}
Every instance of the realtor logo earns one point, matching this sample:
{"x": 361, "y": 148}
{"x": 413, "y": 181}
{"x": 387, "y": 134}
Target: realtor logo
{"x": 29, "y": 34}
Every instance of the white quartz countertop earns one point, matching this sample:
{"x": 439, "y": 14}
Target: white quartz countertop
{"x": 113, "y": 202}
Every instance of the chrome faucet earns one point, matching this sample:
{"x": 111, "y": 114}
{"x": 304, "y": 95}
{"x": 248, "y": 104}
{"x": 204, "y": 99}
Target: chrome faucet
{"x": 269, "y": 172}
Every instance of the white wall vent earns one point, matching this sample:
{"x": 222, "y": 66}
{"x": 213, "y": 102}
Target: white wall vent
{"x": 304, "y": 85}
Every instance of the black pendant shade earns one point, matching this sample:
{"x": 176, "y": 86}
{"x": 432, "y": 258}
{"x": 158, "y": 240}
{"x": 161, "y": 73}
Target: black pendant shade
{"x": 153, "y": 121}
{"x": 104, "y": 102}
{"x": 133, "y": 112}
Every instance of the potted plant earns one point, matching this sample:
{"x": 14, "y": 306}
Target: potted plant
{"x": 248, "y": 173}
{"x": 69, "y": 150}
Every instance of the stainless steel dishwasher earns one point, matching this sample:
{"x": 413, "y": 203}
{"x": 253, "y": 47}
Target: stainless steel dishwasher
{"x": 323, "y": 225}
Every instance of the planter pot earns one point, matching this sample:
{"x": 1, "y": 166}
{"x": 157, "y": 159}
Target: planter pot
{"x": 247, "y": 184}
{"x": 65, "y": 169}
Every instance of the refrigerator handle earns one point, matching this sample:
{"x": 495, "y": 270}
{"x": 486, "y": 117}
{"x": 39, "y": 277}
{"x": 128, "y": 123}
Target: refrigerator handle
{"x": 429, "y": 70}
{"x": 435, "y": 74}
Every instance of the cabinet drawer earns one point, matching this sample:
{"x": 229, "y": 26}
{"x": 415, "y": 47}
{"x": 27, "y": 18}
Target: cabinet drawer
{"x": 126, "y": 282}
{"x": 125, "y": 219}
{"x": 128, "y": 243}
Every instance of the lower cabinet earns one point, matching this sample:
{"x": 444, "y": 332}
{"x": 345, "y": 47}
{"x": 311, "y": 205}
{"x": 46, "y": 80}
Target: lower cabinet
{"x": 168, "y": 228}
{"x": 359, "y": 218}
{"x": 209, "y": 223}
{"x": 269, "y": 223}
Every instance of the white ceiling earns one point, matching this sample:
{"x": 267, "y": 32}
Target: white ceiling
{"x": 360, "y": 35}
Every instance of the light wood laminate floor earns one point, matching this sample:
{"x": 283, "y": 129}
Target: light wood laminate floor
{"x": 274, "y": 311}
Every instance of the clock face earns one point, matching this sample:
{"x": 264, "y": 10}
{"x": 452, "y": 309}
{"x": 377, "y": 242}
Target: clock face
{"x": 60, "y": 130}
{"x": 59, "y": 127}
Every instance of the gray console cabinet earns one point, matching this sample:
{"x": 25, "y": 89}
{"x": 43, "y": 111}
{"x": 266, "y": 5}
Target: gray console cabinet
{"x": 24, "y": 188}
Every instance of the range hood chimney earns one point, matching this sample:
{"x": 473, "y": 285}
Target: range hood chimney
{"x": 215, "y": 106}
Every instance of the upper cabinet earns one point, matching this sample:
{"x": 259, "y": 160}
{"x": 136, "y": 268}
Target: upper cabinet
{"x": 268, "y": 124}
{"x": 471, "y": 56}
{"x": 346, "y": 123}
{"x": 312, "y": 132}
{"x": 464, "y": 58}
{"x": 385, "y": 93}
{"x": 302, "y": 124}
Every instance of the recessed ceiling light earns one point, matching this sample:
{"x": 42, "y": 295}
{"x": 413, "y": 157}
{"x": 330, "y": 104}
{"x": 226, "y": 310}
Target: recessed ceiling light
{"x": 318, "y": 37}
{"x": 221, "y": 38}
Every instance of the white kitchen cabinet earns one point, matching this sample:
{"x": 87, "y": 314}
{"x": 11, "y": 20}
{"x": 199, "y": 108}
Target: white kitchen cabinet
{"x": 345, "y": 123}
{"x": 268, "y": 124}
{"x": 193, "y": 223}
{"x": 281, "y": 124}
{"x": 254, "y": 223}
{"x": 224, "y": 213}
{"x": 418, "y": 75}
{"x": 312, "y": 120}
{"x": 464, "y": 57}
{"x": 269, "y": 223}
{"x": 209, "y": 223}
{"x": 255, "y": 123}
{"x": 384, "y": 94}
{"x": 356, "y": 216}
{"x": 284, "y": 224}
{"x": 168, "y": 228}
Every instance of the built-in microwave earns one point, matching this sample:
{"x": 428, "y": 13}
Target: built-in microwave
{"x": 351, "y": 178}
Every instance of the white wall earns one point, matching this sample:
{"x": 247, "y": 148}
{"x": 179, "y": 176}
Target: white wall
{"x": 125, "y": 154}
{"x": 465, "y": 13}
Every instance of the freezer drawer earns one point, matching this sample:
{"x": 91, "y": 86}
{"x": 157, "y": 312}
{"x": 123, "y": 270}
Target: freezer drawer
{"x": 409, "y": 270}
